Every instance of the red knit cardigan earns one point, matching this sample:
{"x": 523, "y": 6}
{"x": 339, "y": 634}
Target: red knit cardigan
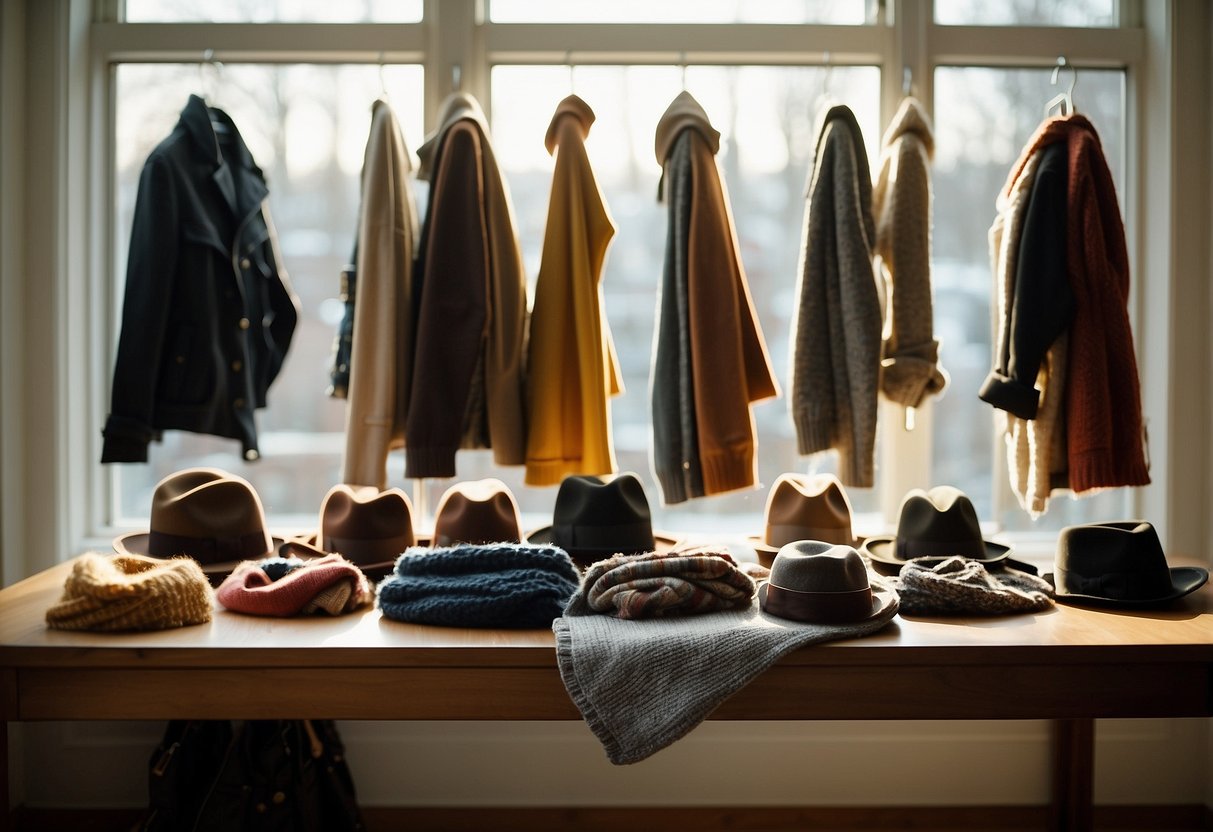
{"x": 1103, "y": 395}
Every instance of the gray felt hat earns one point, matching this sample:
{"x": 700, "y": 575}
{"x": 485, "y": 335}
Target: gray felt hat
{"x": 822, "y": 583}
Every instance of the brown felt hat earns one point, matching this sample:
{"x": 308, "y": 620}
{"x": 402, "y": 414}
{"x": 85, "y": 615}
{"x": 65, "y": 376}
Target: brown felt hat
{"x": 804, "y": 507}
{"x": 481, "y": 511}
{"x": 936, "y": 524}
{"x": 212, "y": 516}
{"x": 368, "y": 527}
{"x": 821, "y": 583}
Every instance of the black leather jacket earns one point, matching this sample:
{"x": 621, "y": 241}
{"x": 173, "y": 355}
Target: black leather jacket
{"x": 208, "y": 313}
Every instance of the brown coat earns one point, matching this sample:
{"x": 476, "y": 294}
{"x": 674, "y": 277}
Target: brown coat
{"x": 471, "y": 304}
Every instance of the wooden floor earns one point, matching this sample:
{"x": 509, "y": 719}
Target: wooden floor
{"x": 665, "y": 819}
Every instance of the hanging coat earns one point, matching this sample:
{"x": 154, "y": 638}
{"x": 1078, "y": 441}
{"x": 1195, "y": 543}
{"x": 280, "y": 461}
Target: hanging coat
{"x": 704, "y": 437}
{"x": 836, "y": 326}
{"x": 381, "y": 350}
{"x": 208, "y": 312}
{"x": 470, "y": 295}
{"x": 571, "y": 364}
{"x": 901, "y": 206}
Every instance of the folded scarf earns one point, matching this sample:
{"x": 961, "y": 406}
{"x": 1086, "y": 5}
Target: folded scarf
{"x": 131, "y": 592}
{"x": 957, "y": 586}
{"x": 495, "y": 585}
{"x": 658, "y": 584}
{"x": 285, "y": 587}
{"x": 641, "y": 685}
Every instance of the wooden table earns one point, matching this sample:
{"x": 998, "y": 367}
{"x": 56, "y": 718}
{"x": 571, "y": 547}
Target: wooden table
{"x": 1070, "y": 665}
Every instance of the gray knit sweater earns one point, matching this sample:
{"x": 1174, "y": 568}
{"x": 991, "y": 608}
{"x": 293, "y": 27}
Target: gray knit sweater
{"x": 836, "y": 328}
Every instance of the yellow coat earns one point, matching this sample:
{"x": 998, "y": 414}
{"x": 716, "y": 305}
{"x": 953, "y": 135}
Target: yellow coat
{"x": 572, "y": 368}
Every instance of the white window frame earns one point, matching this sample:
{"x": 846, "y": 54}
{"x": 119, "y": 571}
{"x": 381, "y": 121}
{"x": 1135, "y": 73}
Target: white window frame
{"x": 71, "y": 495}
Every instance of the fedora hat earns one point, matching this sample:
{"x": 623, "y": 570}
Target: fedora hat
{"x": 935, "y": 524}
{"x": 366, "y": 526}
{"x": 212, "y": 516}
{"x": 1118, "y": 564}
{"x": 821, "y": 583}
{"x": 596, "y": 517}
{"x": 480, "y": 511}
{"x": 804, "y": 507}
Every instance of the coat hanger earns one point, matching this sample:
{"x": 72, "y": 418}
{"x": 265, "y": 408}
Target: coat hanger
{"x": 682, "y": 64}
{"x": 209, "y": 70}
{"x": 568, "y": 62}
{"x": 907, "y": 81}
{"x": 383, "y": 93}
{"x": 1063, "y": 100}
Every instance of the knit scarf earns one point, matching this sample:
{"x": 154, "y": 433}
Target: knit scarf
{"x": 660, "y": 584}
{"x": 282, "y": 588}
{"x": 494, "y": 585}
{"x": 109, "y": 593}
{"x": 957, "y": 586}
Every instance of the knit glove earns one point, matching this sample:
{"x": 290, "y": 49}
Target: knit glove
{"x": 131, "y": 592}
{"x": 495, "y": 585}
{"x": 958, "y": 586}
{"x": 659, "y": 584}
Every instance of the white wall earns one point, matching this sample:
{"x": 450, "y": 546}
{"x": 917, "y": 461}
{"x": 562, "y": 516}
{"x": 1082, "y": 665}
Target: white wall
{"x": 894, "y": 763}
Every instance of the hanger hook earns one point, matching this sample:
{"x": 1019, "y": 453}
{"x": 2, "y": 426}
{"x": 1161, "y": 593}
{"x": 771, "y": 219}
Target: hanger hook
{"x": 456, "y": 77}
{"x": 682, "y": 63}
{"x": 1062, "y": 62}
{"x": 568, "y": 61}
{"x": 382, "y": 75}
{"x": 825, "y": 78}
{"x": 907, "y": 80}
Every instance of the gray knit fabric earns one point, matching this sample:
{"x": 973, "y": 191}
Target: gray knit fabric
{"x": 836, "y": 327}
{"x": 958, "y": 586}
{"x": 641, "y": 685}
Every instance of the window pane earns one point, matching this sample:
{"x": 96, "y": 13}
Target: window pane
{"x": 270, "y": 11}
{"x": 983, "y": 117}
{"x": 766, "y": 119}
{"x": 679, "y": 11}
{"x": 306, "y": 126}
{"x": 1026, "y": 12}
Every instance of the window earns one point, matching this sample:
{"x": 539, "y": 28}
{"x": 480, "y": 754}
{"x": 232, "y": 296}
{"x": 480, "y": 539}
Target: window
{"x": 304, "y": 110}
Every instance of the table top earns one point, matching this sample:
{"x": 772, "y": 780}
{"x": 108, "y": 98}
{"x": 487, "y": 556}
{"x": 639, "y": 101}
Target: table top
{"x": 1182, "y": 632}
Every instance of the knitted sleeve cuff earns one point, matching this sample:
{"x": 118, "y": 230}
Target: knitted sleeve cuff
{"x": 126, "y": 440}
{"x": 429, "y": 462}
{"x": 1008, "y": 394}
{"x": 906, "y": 378}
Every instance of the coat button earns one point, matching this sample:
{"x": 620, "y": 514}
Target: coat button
{"x": 251, "y": 455}
{"x": 279, "y": 797}
{"x": 237, "y": 365}
{"x": 238, "y": 404}
{"x": 245, "y": 262}
{"x": 181, "y": 359}
{"x": 243, "y": 323}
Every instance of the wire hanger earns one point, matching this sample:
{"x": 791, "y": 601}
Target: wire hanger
{"x": 210, "y": 82}
{"x": 682, "y": 64}
{"x": 568, "y": 61}
{"x": 1063, "y": 100}
{"x": 907, "y": 81}
{"x": 382, "y": 77}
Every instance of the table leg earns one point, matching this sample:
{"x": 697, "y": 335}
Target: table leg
{"x": 6, "y": 818}
{"x": 1072, "y": 808}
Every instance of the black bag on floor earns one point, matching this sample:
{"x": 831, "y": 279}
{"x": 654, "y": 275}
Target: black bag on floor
{"x": 273, "y": 775}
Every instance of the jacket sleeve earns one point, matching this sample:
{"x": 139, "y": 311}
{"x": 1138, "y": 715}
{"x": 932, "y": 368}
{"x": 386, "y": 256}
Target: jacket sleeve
{"x": 150, "y": 269}
{"x": 283, "y": 301}
{"x": 1042, "y": 303}
{"x": 452, "y": 307}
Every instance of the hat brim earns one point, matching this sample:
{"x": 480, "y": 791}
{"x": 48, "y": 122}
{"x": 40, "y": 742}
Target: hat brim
{"x": 766, "y": 552}
{"x": 136, "y": 543}
{"x": 882, "y": 600}
{"x": 584, "y": 557}
{"x": 305, "y": 548}
{"x": 883, "y": 549}
{"x": 1184, "y": 581}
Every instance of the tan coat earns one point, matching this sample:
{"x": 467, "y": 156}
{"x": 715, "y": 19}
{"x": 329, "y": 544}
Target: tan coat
{"x": 381, "y": 355}
{"x": 572, "y": 368}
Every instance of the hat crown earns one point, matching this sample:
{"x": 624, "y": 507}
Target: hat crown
{"x": 816, "y": 566}
{"x": 366, "y": 513}
{"x": 801, "y": 507}
{"x": 600, "y": 501}
{"x": 1119, "y": 560}
{"x": 204, "y": 504}
{"x": 482, "y": 511}
{"x": 939, "y": 522}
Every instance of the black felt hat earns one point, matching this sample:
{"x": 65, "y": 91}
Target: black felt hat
{"x": 1119, "y": 564}
{"x": 936, "y": 524}
{"x": 596, "y": 517}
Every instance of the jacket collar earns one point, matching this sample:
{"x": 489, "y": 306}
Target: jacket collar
{"x": 1057, "y": 129}
{"x": 911, "y": 120}
{"x": 196, "y": 120}
{"x": 457, "y": 106}
{"x": 571, "y": 107}
{"x": 684, "y": 112}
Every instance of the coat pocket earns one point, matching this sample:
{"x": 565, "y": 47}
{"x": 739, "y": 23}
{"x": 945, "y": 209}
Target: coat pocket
{"x": 185, "y": 375}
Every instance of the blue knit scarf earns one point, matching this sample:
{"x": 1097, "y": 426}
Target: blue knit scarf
{"x": 495, "y": 585}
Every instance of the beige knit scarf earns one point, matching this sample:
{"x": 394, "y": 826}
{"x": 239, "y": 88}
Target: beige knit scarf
{"x": 131, "y": 592}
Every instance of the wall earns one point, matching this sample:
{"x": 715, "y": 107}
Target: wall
{"x": 896, "y": 763}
